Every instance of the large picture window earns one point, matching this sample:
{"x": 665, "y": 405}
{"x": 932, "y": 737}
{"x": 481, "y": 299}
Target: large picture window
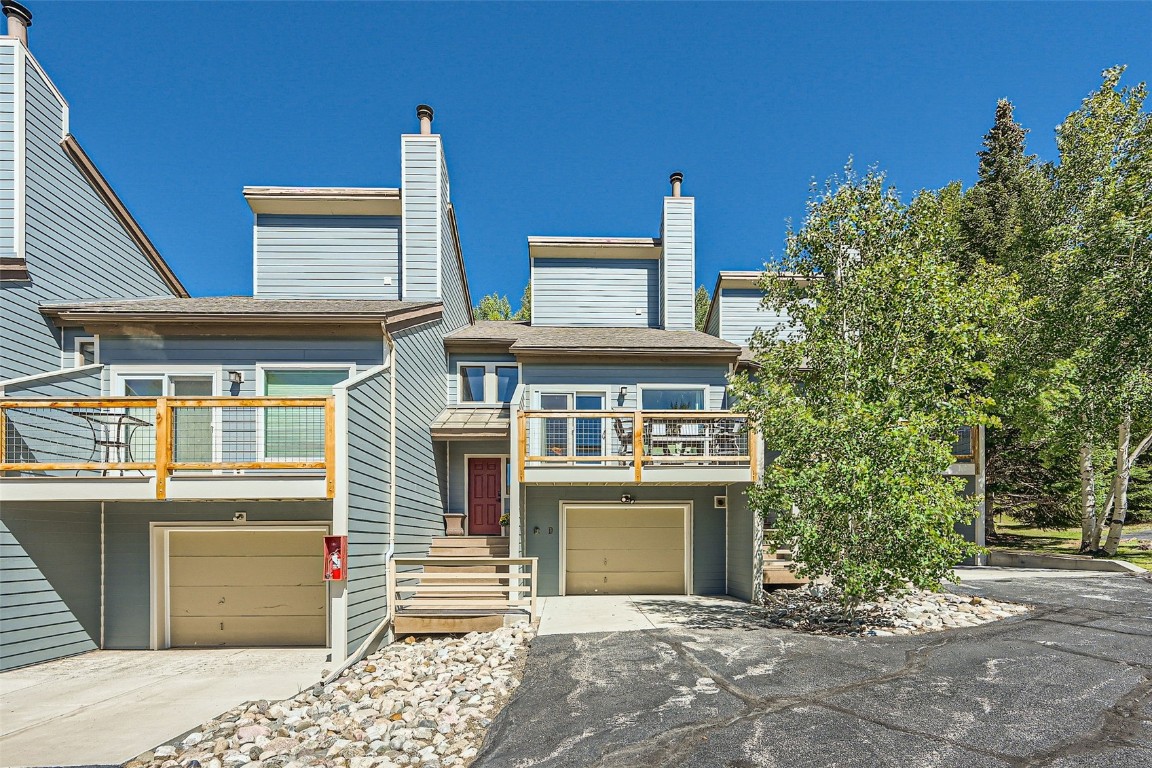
{"x": 293, "y": 433}
{"x": 657, "y": 399}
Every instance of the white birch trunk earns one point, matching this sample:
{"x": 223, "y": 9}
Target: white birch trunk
{"x": 1088, "y": 526}
{"x": 1120, "y": 486}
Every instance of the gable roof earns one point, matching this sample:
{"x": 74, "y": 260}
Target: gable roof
{"x": 522, "y": 338}
{"x": 120, "y": 211}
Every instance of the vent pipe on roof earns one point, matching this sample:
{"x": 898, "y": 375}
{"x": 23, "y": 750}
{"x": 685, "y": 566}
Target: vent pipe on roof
{"x": 19, "y": 19}
{"x": 677, "y": 179}
{"x": 424, "y": 112}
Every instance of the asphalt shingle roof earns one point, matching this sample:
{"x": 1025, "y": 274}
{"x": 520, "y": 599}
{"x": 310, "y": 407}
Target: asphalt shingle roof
{"x": 523, "y": 337}
{"x": 235, "y": 305}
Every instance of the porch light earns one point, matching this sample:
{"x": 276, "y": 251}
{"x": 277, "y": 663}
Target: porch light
{"x": 627, "y": 499}
{"x": 623, "y": 392}
{"x": 236, "y": 377}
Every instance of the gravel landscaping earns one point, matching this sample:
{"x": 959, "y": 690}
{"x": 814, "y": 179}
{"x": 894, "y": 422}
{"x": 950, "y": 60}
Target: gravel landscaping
{"x": 423, "y": 703}
{"x": 812, "y": 609}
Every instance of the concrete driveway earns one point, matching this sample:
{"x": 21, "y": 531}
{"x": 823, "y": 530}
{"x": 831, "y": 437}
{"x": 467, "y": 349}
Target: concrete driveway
{"x": 105, "y": 707}
{"x": 1068, "y": 685}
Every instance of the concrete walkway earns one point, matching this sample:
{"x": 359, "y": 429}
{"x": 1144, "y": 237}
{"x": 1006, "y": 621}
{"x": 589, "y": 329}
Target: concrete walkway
{"x": 580, "y": 614}
{"x": 106, "y": 707}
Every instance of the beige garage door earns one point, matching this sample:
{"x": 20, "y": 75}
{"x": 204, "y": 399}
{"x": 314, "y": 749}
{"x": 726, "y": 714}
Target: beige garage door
{"x": 617, "y": 551}
{"x": 248, "y": 587}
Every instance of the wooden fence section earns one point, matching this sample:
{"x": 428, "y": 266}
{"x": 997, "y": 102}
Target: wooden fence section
{"x": 165, "y": 435}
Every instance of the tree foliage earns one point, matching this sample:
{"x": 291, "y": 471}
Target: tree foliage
{"x": 493, "y": 306}
{"x": 894, "y": 345}
{"x": 703, "y": 302}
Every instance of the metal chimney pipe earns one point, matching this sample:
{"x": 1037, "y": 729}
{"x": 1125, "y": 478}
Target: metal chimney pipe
{"x": 424, "y": 112}
{"x": 19, "y": 19}
{"x": 677, "y": 179}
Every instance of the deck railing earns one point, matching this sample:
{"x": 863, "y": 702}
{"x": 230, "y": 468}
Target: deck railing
{"x": 635, "y": 439}
{"x": 167, "y": 435}
{"x": 455, "y": 589}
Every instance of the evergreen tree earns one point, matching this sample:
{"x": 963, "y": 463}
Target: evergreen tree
{"x": 702, "y": 304}
{"x": 525, "y": 311}
{"x": 493, "y": 307}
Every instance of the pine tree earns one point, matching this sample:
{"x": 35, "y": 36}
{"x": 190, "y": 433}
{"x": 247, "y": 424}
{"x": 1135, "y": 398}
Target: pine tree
{"x": 702, "y": 303}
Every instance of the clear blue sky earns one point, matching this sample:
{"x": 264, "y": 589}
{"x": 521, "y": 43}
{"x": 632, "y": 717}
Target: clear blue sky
{"x": 558, "y": 119}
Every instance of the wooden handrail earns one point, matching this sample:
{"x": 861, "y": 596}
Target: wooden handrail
{"x": 448, "y": 597}
{"x": 163, "y": 459}
{"x": 629, "y": 414}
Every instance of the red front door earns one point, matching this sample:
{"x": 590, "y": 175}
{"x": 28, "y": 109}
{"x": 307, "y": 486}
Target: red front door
{"x": 485, "y": 505}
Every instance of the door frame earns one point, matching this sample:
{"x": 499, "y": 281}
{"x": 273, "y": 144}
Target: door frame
{"x": 159, "y": 602}
{"x": 566, "y": 506}
{"x": 504, "y": 484}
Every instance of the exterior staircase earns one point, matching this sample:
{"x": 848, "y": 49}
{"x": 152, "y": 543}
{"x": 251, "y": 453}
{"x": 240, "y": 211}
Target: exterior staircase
{"x": 776, "y": 573}
{"x": 462, "y": 593}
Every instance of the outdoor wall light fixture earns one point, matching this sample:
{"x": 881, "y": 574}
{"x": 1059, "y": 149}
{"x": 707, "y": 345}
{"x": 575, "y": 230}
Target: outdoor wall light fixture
{"x": 627, "y": 499}
{"x": 623, "y": 392}
{"x": 236, "y": 377}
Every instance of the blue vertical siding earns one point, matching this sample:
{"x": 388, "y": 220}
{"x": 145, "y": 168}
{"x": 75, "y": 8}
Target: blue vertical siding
{"x": 596, "y": 292}
{"x": 421, "y": 179}
{"x": 542, "y": 511}
{"x": 327, "y": 257}
{"x": 49, "y": 582}
{"x": 369, "y": 480}
{"x": 74, "y": 246}
{"x": 679, "y": 263}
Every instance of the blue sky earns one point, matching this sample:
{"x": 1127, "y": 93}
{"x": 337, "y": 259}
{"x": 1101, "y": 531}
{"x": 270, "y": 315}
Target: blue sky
{"x": 558, "y": 119}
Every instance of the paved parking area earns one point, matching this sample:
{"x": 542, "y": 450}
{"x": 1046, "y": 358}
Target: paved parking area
{"x": 108, "y": 706}
{"x": 1070, "y": 685}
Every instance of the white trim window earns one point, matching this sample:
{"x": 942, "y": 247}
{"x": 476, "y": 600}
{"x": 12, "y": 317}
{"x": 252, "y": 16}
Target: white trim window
{"x": 664, "y": 397}
{"x": 486, "y": 383}
{"x": 196, "y": 431}
{"x": 294, "y": 433}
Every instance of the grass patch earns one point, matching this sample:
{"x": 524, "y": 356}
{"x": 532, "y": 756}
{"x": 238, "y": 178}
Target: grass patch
{"x": 1011, "y": 534}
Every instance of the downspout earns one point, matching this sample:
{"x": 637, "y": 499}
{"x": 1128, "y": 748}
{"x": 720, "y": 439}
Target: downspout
{"x": 386, "y": 622}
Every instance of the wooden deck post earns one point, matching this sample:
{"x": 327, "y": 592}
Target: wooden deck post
{"x": 163, "y": 446}
{"x": 753, "y": 453}
{"x": 522, "y": 441}
{"x": 330, "y": 446}
{"x": 638, "y": 444}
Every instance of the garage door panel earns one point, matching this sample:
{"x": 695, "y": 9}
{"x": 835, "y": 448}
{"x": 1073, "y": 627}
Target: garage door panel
{"x": 245, "y": 543}
{"x": 588, "y": 561}
{"x": 627, "y": 582}
{"x": 248, "y": 630}
{"x": 626, "y": 517}
{"x": 626, "y": 538}
{"x": 246, "y": 587}
{"x": 246, "y": 601}
{"x": 229, "y": 571}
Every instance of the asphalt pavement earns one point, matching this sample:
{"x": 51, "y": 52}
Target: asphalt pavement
{"x": 1069, "y": 684}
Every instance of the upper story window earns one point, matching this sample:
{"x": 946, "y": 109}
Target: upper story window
{"x": 672, "y": 399}
{"x": 487, "y": 383}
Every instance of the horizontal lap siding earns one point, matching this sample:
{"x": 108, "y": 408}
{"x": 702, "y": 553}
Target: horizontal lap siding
{"x": 7, "y": 150}
{"x": 679, "y": 243}
{"x": 542, "y": 511}
{"x": 420, "y": 398}
{"x": 742, "y": 544}
{"x": 368, "y": 489}
{"x": 325, "y": 257}
{"x": 741, "y": 314}
{"x": 452, "y": 290}
{"x": 596, "y": 292}
{"x": 237, "y": 354}
{"x": 420, "y": 172}
{"x": 127, "y": 552}
{"x": 75, "y": 247}
{"x": 49, "y": 582}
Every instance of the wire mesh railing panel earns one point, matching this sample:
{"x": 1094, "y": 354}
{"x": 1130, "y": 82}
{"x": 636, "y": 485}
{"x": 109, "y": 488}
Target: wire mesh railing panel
{"x": 77, "y": 440}
{"x": 248, "y": 437}
{"x": 696, "y": 439}
{"x": 575, "y": 438}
